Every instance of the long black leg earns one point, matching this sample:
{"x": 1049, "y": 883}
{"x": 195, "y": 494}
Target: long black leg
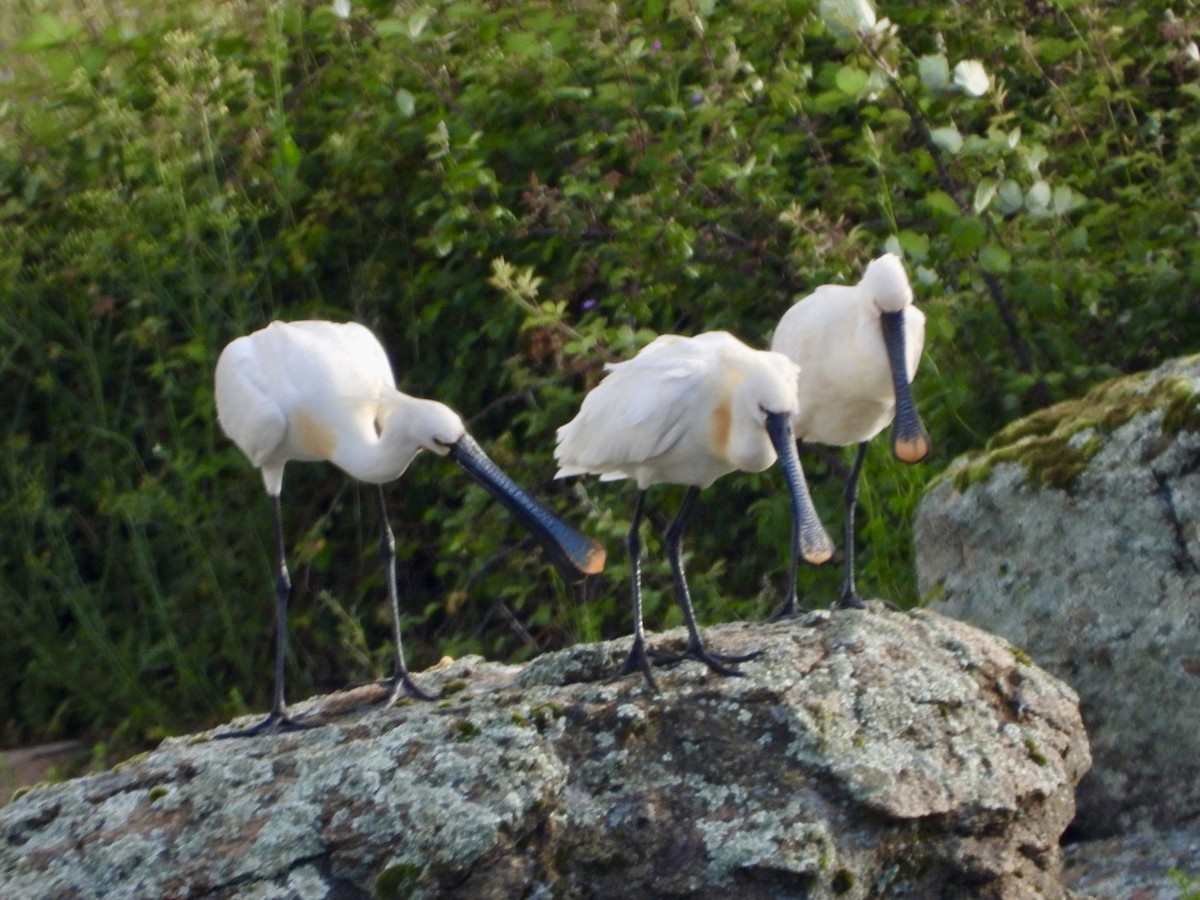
{"x": 850, "y": 598}
{"x": 277, "y": 720}
{"x": 695, "y": 648}
{"x": 401, "y": 682}
{"x": 638, "y": 660}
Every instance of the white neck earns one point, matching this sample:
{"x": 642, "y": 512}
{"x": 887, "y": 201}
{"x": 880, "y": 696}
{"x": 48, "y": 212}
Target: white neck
{"x": 406, "y": 425}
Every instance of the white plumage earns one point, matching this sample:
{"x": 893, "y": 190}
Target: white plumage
{"x": 324, "y": 391}
{"x": 687, "y": 410}
{"x": 683, "y": 411}
{"x": 858, "y": 348}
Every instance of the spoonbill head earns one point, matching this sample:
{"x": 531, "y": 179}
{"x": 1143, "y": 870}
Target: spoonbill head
{"x": 858, "y": 348}
{"x": 324, "y": 391}
{"x": 687, "y": 410}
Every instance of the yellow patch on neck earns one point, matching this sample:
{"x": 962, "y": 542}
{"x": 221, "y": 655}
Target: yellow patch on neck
{"x": 312, "y": 438}
{"x": 722, "y": 423}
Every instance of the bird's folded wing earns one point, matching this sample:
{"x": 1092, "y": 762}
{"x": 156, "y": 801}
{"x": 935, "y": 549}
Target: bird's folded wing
{"x": 246, "y": 410}
{"x": 641, "y": 409}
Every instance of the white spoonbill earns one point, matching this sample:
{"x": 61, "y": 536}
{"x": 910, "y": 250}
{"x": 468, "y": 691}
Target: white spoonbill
{"x": 687, "y": 411}
{"x": 324, "y": 391}
{"x": 858, "y": 349}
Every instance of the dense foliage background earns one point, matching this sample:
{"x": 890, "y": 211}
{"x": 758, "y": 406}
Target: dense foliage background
{"x": 510, "y": 194}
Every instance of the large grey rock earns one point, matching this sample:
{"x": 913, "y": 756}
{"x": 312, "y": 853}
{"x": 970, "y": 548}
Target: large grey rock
{"x": 864, "y": 754}
{"x": 1074, "y": 535}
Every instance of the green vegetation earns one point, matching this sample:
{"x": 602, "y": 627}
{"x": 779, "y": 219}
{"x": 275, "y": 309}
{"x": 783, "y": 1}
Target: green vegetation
{"x": 1020, "y": 655}
{"x": 843, "y": 881}
{"x": 1188, "y": 884}
{"x": 510, "y": 195}
{"x": 1035, "y": 753}
{"x": 397, "y": 881}
{"x": 465, "y": 730}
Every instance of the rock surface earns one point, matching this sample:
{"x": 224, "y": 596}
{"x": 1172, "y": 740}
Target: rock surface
{"x": 24, "y": 766}
{"x": 865, "y": 754}
{"x": 1074, "y": 535}
{"x": 1144, "y": 866}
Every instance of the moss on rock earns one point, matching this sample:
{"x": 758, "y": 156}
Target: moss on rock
{"x": 1056, "y": 444}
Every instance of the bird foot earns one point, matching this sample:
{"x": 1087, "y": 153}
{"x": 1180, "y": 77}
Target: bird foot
{"x": 275, "y": 723}
{"x": 717, "y": 662}
{"x": 789, "y": 610}
{"x": 638, "y": 661}
{"x": 849, "y": 601}
{"x": 401, "y": 685}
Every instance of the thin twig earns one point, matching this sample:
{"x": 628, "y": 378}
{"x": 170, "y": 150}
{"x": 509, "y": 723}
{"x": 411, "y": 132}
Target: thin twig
{"x": 1039, "y": 392}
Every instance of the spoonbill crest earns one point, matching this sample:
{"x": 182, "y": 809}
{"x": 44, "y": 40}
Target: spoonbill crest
{"x": 324, "y": 391}
{"x": 858, "y": 348}
{"x": 687, "y": 410}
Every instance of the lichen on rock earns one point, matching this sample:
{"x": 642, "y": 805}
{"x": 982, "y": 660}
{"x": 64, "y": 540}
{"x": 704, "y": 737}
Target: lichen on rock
{"x": 863, "y": 754}
{"x": 1074, "y": 535}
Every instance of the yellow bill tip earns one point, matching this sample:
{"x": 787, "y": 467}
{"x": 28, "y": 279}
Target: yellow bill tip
{"x": 911, "y": 450}
{"x": 596, "y": 558}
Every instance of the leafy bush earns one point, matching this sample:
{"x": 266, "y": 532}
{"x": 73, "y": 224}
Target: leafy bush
{"x": 510, "y": 195}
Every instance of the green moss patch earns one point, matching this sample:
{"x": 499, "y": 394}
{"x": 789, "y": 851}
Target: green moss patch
{"x": 843, "y": 882}
{"x": 1055, "y": 444}
{"x": 397, "y": 881}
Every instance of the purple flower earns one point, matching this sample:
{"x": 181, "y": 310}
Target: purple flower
{"x": 589, "y": 303}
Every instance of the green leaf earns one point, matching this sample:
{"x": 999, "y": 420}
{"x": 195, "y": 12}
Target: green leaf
{"x": 948, "y": 138}
{"x": 47, "y": 31}
{"x": 967, "y": 234}
{"x": 1053, "y": 50}
{"x": 934, "y": 72}
{"x": 417, "y": 22}
{"x": 1009, "y": 197}
{"x": 523, "y": 44}
{"x": 852, "y": 81}
{"x": 995, "y": 259}
{"x": 59, "y": 61}
{"x": 1066, "y": 200}
{"x": 984, "y": 192}
{"x": 1037, "y": 199}
{"x": 406, "y": 103}
{"x": 390, "y": 28}
{"x": 288, "y": 154}
{"x": 489, "y": 29}
{"x": 914, "y": 245}
{"x": 1034, "y": 157}
{"x": 942, "y": 203}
